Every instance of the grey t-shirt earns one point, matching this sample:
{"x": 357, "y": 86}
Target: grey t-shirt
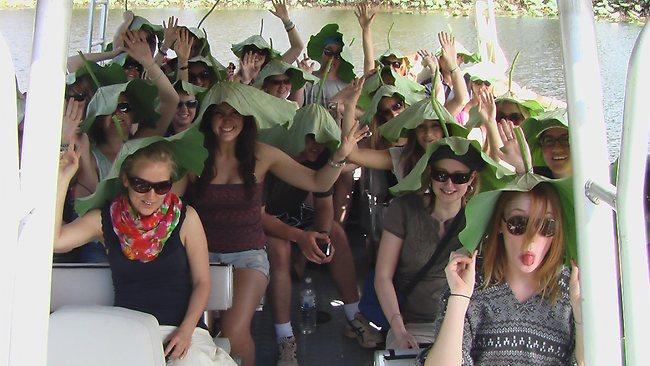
{"x": 408, "y": 219}
{"x": 501, "y": 331}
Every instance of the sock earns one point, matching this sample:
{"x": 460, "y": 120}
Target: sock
{"x": 283, "y": 331}
{"x": 351, "y": 310}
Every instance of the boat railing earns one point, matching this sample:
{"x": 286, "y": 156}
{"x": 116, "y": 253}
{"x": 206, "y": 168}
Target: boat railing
{"x": 103, "y": 16}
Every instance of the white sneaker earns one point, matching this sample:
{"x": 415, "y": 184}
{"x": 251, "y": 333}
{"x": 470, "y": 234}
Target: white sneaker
{"x": 287, "y": 352}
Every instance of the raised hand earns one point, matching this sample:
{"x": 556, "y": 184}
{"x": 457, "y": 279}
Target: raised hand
{"x": 510, "y": 152}
{"x": 170, "y": 31}
{"x": 280, "y": 11}
{"x": 448, "y": 43}
{"x": 249, "y": 69}
{"x": 137, "y": 47}
{"x": 178, "y": 342}
{"x": 68, "y": 163}
{"x": 364, "y": 16}
{"x": 118, "y": 39}
{"x": 428, "y": 60}
{"x": 308, "y": 244}
{"x": 461, "y": 273}
{"x": 487, "y": 108}
{"x": 71, "y": 119}
{"x": 306, "y": 64}
{"x": 349, "y": 141}
{"x": 183, "y": 45}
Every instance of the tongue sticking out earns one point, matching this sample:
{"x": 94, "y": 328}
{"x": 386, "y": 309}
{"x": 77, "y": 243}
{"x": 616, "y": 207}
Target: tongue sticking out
{"x": 527, "y": 259}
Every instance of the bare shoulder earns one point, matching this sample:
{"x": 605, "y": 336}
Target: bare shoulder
{"x": 191, "y": 216}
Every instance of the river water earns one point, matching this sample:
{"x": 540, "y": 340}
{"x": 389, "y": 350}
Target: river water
{"x": 539, "y": 66}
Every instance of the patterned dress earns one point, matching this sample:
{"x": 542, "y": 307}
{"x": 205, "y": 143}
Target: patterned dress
{"x": 501, "y": 331}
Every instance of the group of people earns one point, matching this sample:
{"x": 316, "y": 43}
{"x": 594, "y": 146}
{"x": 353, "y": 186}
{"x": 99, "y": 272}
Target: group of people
{"x": 169, "y": 163}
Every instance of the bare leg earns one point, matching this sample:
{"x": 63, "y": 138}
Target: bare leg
{"x": 342, "y": 196}
{"x": 279, "y": 252}
{"x": 342, "y": 265}
{"x": 249, "y": 287}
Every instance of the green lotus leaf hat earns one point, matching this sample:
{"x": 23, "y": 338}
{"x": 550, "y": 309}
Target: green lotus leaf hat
{"x": 395, "y": 53}
{"x": 219, "y": 70}
{"x": 186, "y": 147}
{"x": 484, "y": 71}
{"x": 297, "y": 76}
{"x": 142, "y": 96}
{"x": 138, "y": 23}
{"x": 492, "y": 176}
{"x": 479, "y": 209}
{"x": 316, "y": 45}
{"x": 203, "y": 39}
{"x": 534, "y": 126}
{"x": 267, "y": 110}
{"x": 387, "y": 76}
{"x": 316, "y": 120}
{"x": 257, "y": 41}
{"x": 106, "y": 75}
{"x": 389, "y": 91}
{"x": 533, "y": 106}
{"x": 190, "y": 88}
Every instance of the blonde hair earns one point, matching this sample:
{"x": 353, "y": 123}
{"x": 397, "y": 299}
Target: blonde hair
{"x": 543, "y": 196}
{"x": 157, "y": 152}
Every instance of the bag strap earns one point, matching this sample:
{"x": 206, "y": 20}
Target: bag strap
{"x": 453, "y": 230}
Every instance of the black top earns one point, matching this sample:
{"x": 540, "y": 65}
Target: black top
{"x": 161, "y": 287}
{"x": 281, "y": 197}
{"x": 544, "y": 171}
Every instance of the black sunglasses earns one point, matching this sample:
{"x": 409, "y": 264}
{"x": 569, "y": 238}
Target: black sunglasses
{"x": 393, "y": 64}
{"x": 517, "y": 225}
{"x": 123, "y": 107}
{"x": 190, "y": 104}
{"x": 131, "y": 66}
{"x": 456, "y": 178}
{"x": 254, "y": 50}
{"x": 330, "y": 53}
{"x": 514, "y": 117}
{"x": 78, "y": 97}
{"x": 550, "y": 141}
{"x": 205, "y": 74}
{"x": 142, "y": 186}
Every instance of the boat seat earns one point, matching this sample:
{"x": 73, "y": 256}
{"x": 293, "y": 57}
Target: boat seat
{"x": 82, "y": 313}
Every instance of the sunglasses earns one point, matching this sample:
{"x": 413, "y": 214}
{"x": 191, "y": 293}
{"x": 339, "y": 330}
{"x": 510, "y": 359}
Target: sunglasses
{"x": 514, "y": 117}
{"x": 190, "y": 104}
{"x": 78, "y": 97}
{"x": 330, "y": 53}
{"x": 456, "y": 178}
{"x": 137, "y": 67}
{"x": 142, "y": 186}
{"x": 550, "y": 141}
{"x": 255, "y": 51}
{"x": 123, "y": 107}
{"x": 205, "y": 74}
{"x": 393, "y": 64}
{"x": 278, "y": 82}
{"x": 517, "y": 225}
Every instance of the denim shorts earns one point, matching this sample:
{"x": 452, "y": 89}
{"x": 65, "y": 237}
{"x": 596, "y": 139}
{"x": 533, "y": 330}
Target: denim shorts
{"x": 253, "y": 259}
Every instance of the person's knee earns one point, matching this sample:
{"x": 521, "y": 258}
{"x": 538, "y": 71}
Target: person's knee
{"x": 279, "y": 254}
{"x": 338, "y": 237}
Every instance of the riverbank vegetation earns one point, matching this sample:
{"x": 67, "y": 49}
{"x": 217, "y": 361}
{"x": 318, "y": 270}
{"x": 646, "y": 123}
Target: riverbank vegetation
{"x": 612, "y": 10}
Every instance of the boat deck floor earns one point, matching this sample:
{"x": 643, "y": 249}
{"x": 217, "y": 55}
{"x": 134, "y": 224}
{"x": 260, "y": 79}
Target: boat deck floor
{"x": 327, "y": 345}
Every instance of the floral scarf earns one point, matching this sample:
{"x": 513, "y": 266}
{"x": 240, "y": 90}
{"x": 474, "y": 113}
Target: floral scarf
{"x": 143, "y": 238}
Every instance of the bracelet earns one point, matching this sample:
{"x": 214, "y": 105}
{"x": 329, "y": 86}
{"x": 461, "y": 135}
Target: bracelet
{"x": 64, "y": 147}
{"x": 461, "y": 295}
{"x": 337, "y": 164}
{"x": 390, "y": 322}
{"x": 452, "y": 70}
{"x": 157, "y": 77}
{"x": 183, "y": 67}
{"x": 289, "y": 26}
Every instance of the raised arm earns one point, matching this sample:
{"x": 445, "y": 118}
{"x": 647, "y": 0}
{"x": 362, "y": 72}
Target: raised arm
{"x": 169, "y": 37}
{"x": 365, "y": 19}
{"x": 196, "y": 245}
{"x": 137, "y": 47}
{"x": 82, "y": 230}
{"x": 488, "y": 111}
{"x": 183, "y": 48}
{"x": 461, "y": 95}
{"x": 296, "y": 44}
{"x": 448, "y": 347}
{"x": 390, "y": 248}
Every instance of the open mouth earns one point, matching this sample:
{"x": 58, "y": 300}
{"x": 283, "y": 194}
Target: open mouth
{"x": 448, "y": 191}
{"x": 147, "y": 203}
{"x": 560, "y": 158}
{"x": 527, "y": 259}
{"x": 227, "y": 129}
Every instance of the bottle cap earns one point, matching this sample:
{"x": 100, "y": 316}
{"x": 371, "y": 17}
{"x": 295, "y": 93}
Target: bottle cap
{"x": 307, "y": 279}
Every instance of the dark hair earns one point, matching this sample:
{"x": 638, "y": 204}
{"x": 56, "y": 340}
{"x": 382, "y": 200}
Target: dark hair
{"x": 244, "y": 152}
{"x": 96, "y": 132}
{"x": 412, "y": 152}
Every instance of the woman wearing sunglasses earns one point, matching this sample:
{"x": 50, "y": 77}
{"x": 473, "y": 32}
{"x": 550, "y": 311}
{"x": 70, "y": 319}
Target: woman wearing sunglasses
{"x": 548, "y": 138}
{"x": 521, "y": 305}
{"x": 284, "y": 81}
{"x": 188, "y": 105}
{"x": 420, "y": 231}
{"x": 156, "y": 245}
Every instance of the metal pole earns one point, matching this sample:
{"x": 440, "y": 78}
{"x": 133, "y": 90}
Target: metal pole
{"x": 91, "y": 21}
{"x": 102, "y": 24}
{"x": 631, "y": 214}
{"x": 39, "y": 172}
{"x": 594, "y": 224}
{"x": 8, "y": 194}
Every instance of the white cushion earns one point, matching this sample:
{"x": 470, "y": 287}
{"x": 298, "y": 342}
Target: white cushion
{"x": 103, "y": 336}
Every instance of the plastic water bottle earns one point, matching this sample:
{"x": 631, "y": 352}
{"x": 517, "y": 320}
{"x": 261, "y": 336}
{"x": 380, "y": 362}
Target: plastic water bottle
{"x": 307, "y": 308}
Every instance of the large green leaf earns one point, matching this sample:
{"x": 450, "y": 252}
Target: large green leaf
{"x": 257, "y": 41}
{"x": 317, "y": 44}
{"x": 534, "y": 126}
{"x": 408, "y": 97}
{"x": 142, "y": 97}
{"x": 203, "y": 39}
{"x": 267, "y": 110}
{"x": 533, "y": 107}
{"x": 106, "y": 75}
{"x": 312, "y": 119}
{"x": 484, "y": 71}
{"x": 189, "y": 155}
{"x": 142, "y": 23}
{"x": 493, "y": 176}
{"x": 479, "y": 210}
{"x": 417, "y": 113}
{"x": 278, "y": 67}
{"x": 387, "y": 76}
{"x": 217, "y": 68}
{"x": 395, "y": 53}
